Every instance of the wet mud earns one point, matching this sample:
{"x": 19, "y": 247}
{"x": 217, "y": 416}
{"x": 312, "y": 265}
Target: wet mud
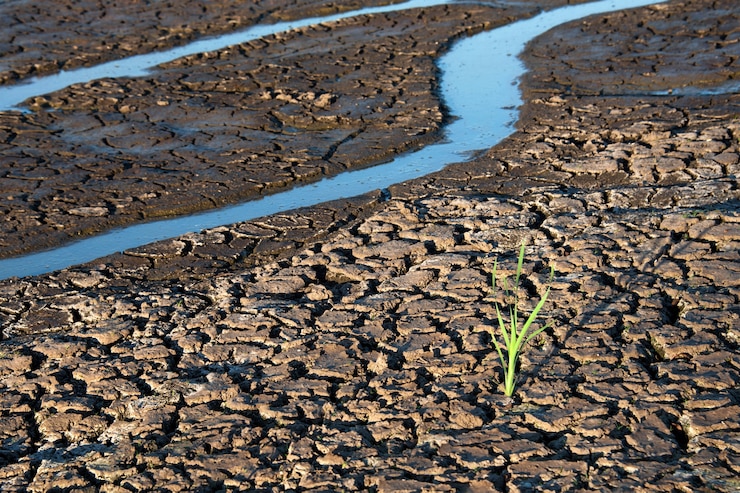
{"x": 347, "y": 347}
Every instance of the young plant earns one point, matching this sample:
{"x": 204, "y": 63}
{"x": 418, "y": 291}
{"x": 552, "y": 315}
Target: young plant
{"x": 513, "y": 337}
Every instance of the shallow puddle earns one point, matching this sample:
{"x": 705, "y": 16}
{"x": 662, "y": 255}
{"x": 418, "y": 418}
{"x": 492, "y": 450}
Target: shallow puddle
{"x": 479, "y": 85}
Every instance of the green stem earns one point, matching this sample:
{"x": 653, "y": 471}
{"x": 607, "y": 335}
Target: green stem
{"x": 510, "y": 374}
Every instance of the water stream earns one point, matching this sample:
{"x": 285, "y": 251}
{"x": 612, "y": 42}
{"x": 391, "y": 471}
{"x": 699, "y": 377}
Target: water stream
{"x": 479, "y": 85}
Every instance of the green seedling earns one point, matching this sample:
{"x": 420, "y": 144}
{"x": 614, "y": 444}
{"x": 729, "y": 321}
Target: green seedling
{"x": 514, "y": 338}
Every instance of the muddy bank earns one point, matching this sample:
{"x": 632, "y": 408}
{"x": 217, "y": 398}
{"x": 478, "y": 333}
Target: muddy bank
{"x": 222, "y": 127}
{"x": 45, "y": 37}
{"x": 347, "y": 346}
{"x": 675, "y": 48}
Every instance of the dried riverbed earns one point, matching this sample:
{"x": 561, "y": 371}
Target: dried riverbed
{"x": 346, "y": 346}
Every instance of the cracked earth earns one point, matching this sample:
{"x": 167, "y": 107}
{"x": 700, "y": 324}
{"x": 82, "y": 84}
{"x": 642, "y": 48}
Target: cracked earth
{"x": 346, "y": 346}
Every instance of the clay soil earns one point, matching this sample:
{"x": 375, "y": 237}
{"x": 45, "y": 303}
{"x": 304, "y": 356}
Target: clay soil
{"x": 347, "y": 346}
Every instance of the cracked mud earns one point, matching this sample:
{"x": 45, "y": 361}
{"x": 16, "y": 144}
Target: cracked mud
{"x": 346, "y": 346}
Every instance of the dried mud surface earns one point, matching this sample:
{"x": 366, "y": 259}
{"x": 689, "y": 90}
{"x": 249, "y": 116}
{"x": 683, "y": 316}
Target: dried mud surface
{"x": 347, "y": 346}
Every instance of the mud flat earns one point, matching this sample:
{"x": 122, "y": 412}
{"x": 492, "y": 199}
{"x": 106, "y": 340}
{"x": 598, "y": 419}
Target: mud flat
{"x": 346, "y": 346}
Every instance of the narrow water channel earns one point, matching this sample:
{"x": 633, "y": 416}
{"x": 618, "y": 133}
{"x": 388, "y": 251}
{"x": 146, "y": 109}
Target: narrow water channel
{"x": 12, "y": 96}
{"x": 479, "y": 84}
